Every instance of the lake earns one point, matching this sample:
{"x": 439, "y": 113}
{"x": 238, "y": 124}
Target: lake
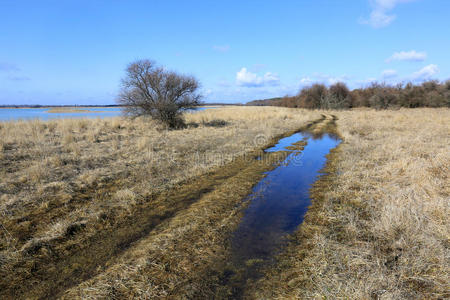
{"x": 11, "y": 114}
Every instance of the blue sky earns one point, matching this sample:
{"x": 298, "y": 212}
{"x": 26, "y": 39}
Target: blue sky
{"x": 75, "y": 52}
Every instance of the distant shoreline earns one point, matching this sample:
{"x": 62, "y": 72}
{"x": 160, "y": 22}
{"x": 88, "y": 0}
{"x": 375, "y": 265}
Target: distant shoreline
{"x": 99, "y": 106}
{"x": 58, "y": 106}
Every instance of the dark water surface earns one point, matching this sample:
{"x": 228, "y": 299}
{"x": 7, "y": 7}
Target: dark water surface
{"x": 279, "y": 202}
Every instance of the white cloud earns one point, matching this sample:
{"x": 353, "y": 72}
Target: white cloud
{"x": 381, "y": 15}
{"x": 425, "y": 73}
{"x": 365, "y": 82}
{"x": 207, "y": 93}
{"x": 221, "y": 48}
{"x": 244, "y": 77}
{"x": 322, "y": 78}
{"x": 306, "y": 81}
{"x": 412, "y": 55}
{"x": 389, "y": 74}
{"x": 249, "y": 79}
{"x": 270, "y": 78}
{"x": 379, "y": 18}
{"x": 333, "y": 80}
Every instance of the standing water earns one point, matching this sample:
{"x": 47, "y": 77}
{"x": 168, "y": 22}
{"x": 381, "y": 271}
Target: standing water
{"x": 11, "y": 114}
{"x": 278, "y": 204}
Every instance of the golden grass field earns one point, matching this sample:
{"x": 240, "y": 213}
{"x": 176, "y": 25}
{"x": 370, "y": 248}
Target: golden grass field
{"x": 66, "y": 184}
{"x": 120, "y": 208}
{"x": 379, "y": 225}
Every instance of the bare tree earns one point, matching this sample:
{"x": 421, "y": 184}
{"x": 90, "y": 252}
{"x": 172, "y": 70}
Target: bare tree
{"x": 148, "y": 89}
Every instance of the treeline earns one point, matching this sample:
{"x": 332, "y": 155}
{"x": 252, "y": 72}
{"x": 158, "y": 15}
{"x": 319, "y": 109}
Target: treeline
{"x": 377, "y": 95}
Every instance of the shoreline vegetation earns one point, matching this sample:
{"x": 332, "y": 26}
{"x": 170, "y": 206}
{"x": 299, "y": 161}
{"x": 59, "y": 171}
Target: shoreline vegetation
{"x": 58, "y": 110}
{"x": 57, "y": 106}
{"x": 99, "y": 106}
{"x": 432, "y": 93}
{"x": 119, "y": 208}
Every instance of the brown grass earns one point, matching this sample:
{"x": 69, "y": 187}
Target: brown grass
{"x": 120, "y": 208}
{"x": 60, "y": 110}
{"x": 74, "y": 194}
{"x": 378, "y": 227}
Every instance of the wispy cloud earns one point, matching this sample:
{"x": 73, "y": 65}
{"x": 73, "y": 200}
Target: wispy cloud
{"x": 249, "y": 79}
{"x": 425, "y": 73}
{"x": 322, "y": 78}
{"x": 8, "y": 67}
{"x": 386, "y": 74}
{"x": 12, "y": 72}
{"x": 365, "y": 82}
{"x": 412, "y": 55}
{"x": 19, "y": 78}
{"x": 207, "y": 93}
{"x": 381, "y": 14}
{"x": 306, "y": 81}
{"x": 222, "y": 48}
{"x": 224, "y": 83}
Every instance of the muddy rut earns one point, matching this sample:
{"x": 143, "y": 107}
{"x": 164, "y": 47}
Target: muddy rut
{"x": 48, "y": 269}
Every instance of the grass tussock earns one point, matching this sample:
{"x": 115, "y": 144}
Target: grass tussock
{"x": 76, "y": 192}
{"x": 378, "y": 227}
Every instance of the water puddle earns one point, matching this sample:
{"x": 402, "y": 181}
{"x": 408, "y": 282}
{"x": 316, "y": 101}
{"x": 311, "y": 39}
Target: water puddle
{"x": 278, "y": 204}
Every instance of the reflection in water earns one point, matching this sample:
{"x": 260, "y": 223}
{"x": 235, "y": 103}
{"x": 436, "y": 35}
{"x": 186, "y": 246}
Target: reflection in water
{"x": 279, "y": 202}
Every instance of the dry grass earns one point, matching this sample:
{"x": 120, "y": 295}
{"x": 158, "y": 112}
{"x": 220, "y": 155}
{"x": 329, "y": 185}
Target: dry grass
{"x": 65, "y": 182}
{"x": 185, "y": 257}
{"x": 121, "y": 208}
{"x": 379, "y": 225}
{"x": 60, "y": 110}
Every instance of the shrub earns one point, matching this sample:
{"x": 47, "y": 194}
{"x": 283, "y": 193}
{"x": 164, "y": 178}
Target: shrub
{"x": 148, "y": 89}
{"x": 216, "y": 123}
{"x": 383, "y": 96}
{"x": 338, "y": 97}
{"x": 313, "y": 96}
{"x": 287, "y": 101}
{"x": 378, "y": 95}
{"x": 447, "y": 85}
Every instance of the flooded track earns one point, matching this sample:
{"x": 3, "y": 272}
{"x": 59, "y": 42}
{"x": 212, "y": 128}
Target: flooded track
{"x": 277, "y": 206}
{"x": 223, "y": 252}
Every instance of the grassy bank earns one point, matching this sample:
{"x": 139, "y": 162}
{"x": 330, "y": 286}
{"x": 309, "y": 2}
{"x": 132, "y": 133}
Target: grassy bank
{"x": 60, "y": 110}
{"x": 78, "y": 195}
{"x": 378, "y": 227}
